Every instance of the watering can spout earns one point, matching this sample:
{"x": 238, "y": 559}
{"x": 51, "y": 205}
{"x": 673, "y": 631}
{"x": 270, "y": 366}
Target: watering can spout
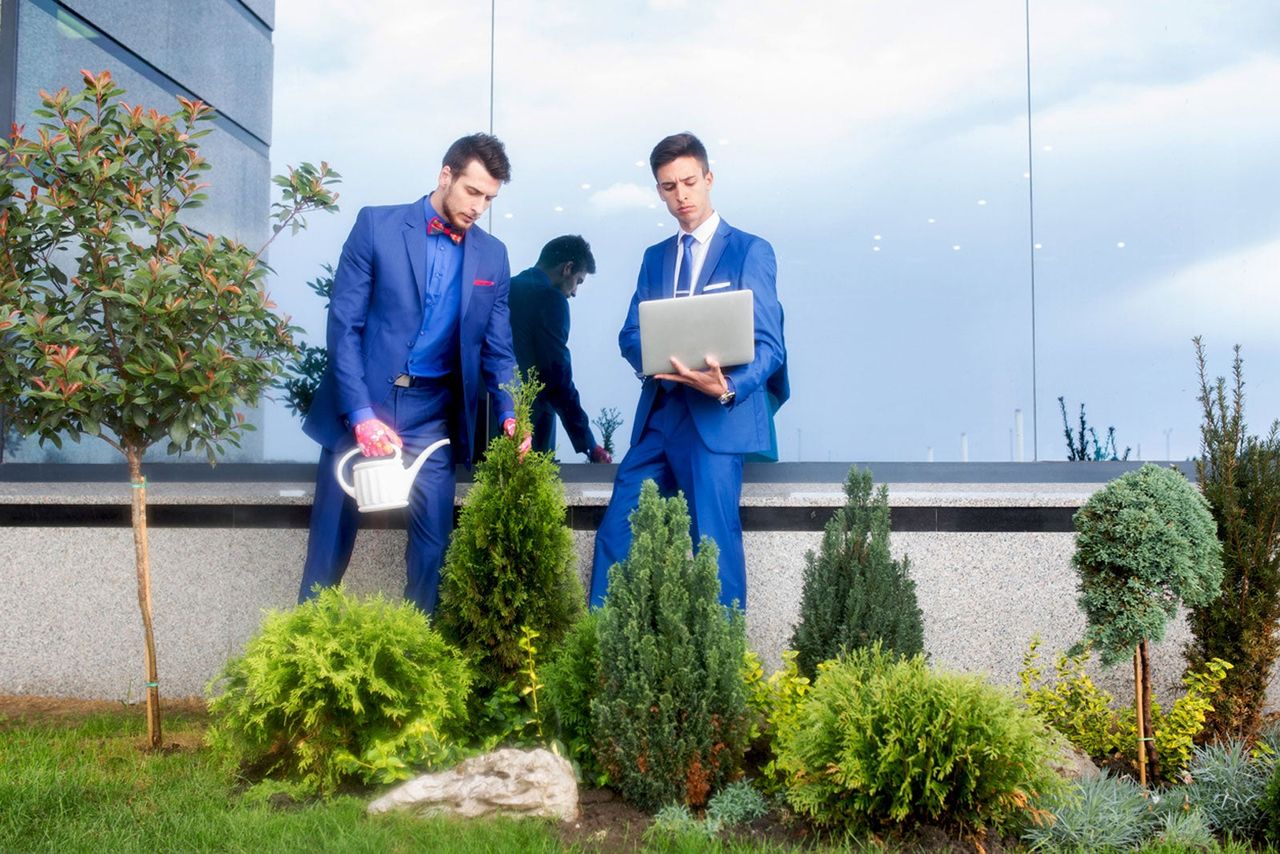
{"x": 422, "y": 458}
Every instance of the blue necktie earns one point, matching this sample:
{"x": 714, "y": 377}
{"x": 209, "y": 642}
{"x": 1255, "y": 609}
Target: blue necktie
{"x": 684, "y": 282}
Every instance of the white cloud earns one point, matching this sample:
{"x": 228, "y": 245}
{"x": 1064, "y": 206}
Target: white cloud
{"x": 1236, "y": 294}
{"x": 622, "y": 197}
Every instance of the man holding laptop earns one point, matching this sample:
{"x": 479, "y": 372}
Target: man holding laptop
{"x": 694, "y": 423}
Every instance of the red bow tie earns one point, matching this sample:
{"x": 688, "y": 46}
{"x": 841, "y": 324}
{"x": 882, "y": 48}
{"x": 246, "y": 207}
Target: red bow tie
{"x": 438, "y": 226}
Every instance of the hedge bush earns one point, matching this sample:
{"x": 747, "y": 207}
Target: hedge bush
{"x": 340, "y": 689}
{"x": 883, "y": 741}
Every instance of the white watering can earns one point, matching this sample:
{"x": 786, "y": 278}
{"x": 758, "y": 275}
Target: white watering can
{"x": 382, "y": 483}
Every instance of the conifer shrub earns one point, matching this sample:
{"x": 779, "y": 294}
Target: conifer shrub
{"x": 340, "y": 689}
{"x": 855, "y": 594}
{"x": 510, "y": 563}
{"x": 1239, "y": 475}
{"x": 572, "y": 681}
{"x": 884, "y": 742}
{"x": 670, "y": 722}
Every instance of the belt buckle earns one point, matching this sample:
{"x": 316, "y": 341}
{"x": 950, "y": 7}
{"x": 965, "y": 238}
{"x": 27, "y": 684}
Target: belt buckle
{"x": 403, "y": 381}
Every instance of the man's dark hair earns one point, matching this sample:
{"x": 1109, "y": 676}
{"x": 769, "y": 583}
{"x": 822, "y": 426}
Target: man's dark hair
{"x": 483, "y": 147}
{"x": 676, "y": 146}
{"x": 568, "y": 247}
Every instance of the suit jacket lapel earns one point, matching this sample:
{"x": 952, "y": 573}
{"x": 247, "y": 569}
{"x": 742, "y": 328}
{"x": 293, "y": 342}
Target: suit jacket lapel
{"x": 470, "y": 260}
{"x": 667, "y": 287}
{"x": 415, "y": 243}
{"x": 714, "y": 251}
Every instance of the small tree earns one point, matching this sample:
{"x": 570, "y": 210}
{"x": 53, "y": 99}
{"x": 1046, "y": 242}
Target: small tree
{"x": 1145, "y": 544}
{"x": 670, "y": 720}
{"x": 305, "y": 370}
{"x": 855, "y": 593}
{"x": 609, "y": 421}
{"x": 1083, "y": 445}
{"x": 122, "y": 322}
{"x": 1239, "y": 476}
{"x": 510, "y": 563}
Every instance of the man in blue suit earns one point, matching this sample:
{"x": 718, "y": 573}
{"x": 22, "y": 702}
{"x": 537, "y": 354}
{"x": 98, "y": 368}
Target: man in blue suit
{"x": 540, "y": 329}
{"x": 693, "y": 428}
{"x": 418, "y": 326}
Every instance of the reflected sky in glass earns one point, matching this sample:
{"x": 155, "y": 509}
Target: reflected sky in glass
{"x": 883, "y": 150}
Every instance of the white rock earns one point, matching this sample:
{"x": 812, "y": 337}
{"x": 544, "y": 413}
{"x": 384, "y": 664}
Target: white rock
{"x": 506, "y": 782}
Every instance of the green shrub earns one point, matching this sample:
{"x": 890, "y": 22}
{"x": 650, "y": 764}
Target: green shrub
{"x": 883, "y": 741}
{"x": 774, "y": 708}
{"x": 337, "y": 689}
{"x": 1087, "y": 715}
{"x": 735, "y": 804}
{"x": 1185, "y": 831}
{"x": 572, "y": 677}
{"x": 1228, "y": 784}
{"x": 855, "y": 593}
{"x": 670, "y": 721}
{"x": 1270, "y": 806}
{"x": 510, "y": 562}
{"x": 1101, "y": 814}
{"x": 1239, "y": 475}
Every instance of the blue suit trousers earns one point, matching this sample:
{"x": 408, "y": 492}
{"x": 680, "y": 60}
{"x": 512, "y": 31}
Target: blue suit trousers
{"x": 671, "y": 453}
{"x": 420, "y": 416}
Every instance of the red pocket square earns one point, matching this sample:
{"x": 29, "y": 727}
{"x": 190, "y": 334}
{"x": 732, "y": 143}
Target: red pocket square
{"x": 483, "y": 283}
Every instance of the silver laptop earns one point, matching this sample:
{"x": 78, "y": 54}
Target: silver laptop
{"x": 692, "y": 328}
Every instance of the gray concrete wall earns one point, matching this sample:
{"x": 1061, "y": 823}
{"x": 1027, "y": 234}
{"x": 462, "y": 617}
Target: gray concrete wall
{"x": 69, "y": 616}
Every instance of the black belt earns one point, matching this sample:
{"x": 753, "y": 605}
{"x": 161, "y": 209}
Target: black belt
{"x": 406, "y": 381}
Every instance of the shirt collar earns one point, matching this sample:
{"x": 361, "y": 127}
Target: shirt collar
{"x": 704, "y": 232}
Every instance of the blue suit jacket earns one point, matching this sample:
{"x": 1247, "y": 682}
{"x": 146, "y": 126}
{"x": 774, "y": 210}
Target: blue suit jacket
{"x": 745, "y": 262}
{"x": 375, "y": 314}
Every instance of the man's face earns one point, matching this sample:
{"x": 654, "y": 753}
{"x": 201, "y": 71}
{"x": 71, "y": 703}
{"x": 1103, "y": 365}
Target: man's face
{"x": 465, "y": 196}
{"x": 570, "y": 279}
{"x": 686, "y": 191}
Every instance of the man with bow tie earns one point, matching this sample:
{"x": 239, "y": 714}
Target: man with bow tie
{"x": 693, "y": 428}
{"x": 418, "y": 328}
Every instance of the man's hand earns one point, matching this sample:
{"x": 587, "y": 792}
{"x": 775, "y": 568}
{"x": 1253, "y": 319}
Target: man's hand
{"x": 599, "y": 455}
{"x": 710, "y": 382}
{"x": 376, "y": 439}
{"x": 509, "y": 428}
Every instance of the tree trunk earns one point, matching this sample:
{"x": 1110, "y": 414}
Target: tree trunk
{"x": 1153, "y": 757}
{"x": 142, "y": 559}
{"x": 1139, "y": 717}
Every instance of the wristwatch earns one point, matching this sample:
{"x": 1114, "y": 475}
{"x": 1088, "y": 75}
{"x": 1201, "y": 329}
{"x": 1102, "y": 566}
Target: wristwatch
{"x": 727, "y": 397}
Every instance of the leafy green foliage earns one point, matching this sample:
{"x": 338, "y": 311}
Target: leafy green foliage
{"x": 855, "y": 594}
{"x": 572, "y": 677}
{"x": 307, "y": 366}
{"x": 1145, "y": 543}
{"x": 735, "y": 804}
{"x": 1089, "y": 718}
{"x": 340, "y": 688}
{"x": 609, "y": 421}
{"x": 510, "y": 562}
{"x": 1239, "y": 475}
{"x": 1270, "y": 806}
{"x": 1083, "y": 446}
{"x": 1185, "y": 831}
{"x": 121, "y": 321}
{"x": 774, "y": 706}
{"x": 1102, "y": 814}
{"x": 884, "y": 741}
{"x": 1228, "y": 783}
{"x": 670, "y": 720}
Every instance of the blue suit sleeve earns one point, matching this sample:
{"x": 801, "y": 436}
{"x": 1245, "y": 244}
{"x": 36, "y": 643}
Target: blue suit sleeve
{"x": 551, "y": 346}
{"x": 348, "y": 311}
{"x": 629, "y": 337}
{"x": 497, "y": 358}
{"x": 760, "y": 274}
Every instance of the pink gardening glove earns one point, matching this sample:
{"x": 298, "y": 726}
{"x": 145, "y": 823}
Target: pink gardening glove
{"x": 509, "y": 428}
{"x": 599, "y": 455}
{"x": 376, "y": 439}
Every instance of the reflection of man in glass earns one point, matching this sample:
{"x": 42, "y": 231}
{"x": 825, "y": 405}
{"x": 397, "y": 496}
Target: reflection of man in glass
{"x": 418, "y": 328}
{"x": 693, "y": 428}
{"x": 540, "y": 329}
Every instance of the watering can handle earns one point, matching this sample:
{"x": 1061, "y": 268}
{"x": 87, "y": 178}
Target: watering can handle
{"x": 341, "y": 467}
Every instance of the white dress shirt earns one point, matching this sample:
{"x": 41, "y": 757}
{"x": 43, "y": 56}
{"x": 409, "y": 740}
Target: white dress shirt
{"x": 701, "y": 240}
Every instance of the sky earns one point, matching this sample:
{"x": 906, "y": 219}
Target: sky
{"x": 885, "y": 151}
